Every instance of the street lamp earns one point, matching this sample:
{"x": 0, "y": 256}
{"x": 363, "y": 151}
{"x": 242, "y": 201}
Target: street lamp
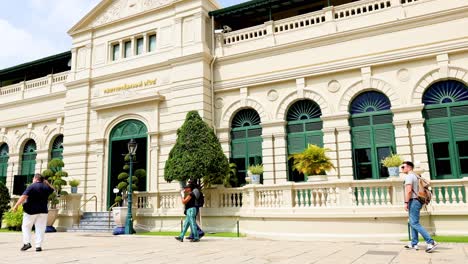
{"x": 132, "y": 147}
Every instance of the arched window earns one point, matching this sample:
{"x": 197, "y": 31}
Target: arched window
{"x": 304, "y": 127}
{"x": 446, "y": 114}
{"x": 246, "y": 141}
{"x": 57, "y": 148}
{"x": 28, "y": 159}
{"x": 3, "y": 162}
{"x": 372, "y": 134}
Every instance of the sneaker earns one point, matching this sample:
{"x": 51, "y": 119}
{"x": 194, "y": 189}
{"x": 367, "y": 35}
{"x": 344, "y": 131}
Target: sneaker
{"x": 38, "y": 249}
{"x": 410, "y": 246}
{"x": 189, "y": 237}
{"x": 179, "y": 238}
{"x": 26, "y": 247}
{"x": 431, "y": 247}
{"x": 200, "y": 235}
{"x": 195, "y": 240}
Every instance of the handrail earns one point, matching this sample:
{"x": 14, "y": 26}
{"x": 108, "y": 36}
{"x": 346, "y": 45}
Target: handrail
{"x": 109, "y": 209}
{"x": 95, "y": 206}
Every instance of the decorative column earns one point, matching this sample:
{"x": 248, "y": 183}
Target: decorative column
{"x": 224, "y": 139}
{"x": 410, "y": 137}
{"x": 272, "y": 171}
{"x": 12, "y": 170}
{"x": 101, "y": 190}
{"x": 337, "y": 137}
{"x": 153, "y": 164}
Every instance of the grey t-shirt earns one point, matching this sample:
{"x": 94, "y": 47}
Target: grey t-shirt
{"x": 412, "y": 179}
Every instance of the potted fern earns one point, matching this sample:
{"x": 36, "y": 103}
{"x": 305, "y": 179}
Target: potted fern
{"x": 393, "y": 163}
{"x": 312, "y": 161}
{"x": 255, "y": 172}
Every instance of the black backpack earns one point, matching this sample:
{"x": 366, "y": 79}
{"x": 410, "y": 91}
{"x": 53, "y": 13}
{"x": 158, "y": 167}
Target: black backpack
{"x": 201, "y": 200}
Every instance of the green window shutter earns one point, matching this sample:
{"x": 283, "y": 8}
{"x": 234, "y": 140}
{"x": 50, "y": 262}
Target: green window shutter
{"x": 239, "y": 149}
{"x": 438, "y": 131}
{"x": 315, "y": 138}
{"x": 459, "y": 110}
{"x": 435, "y": 113}
{"x": 383, "y": 135}
{"x": 296, "y": 143}
{"x": 255, "y": 148}
{"x": 362, "y": 138}
{"x": 460, "y": 129}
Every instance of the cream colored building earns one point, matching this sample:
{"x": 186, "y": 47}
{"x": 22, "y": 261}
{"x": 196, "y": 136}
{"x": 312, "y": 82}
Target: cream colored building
{"x": 362, "y": 78}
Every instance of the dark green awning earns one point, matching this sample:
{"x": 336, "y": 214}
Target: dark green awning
{"x": 240, "y": 7}
{"x": 38, "y": 62}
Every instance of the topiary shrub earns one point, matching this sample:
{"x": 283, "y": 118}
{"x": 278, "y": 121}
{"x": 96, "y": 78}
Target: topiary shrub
{"x": 54, "y": 174}
{"x": 4, "y": 201}
{"x": 197, "y": 154}
{"x": 125, "y": 180}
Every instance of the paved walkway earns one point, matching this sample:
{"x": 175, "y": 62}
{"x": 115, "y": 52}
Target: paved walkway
{"x": 99, "y": 248}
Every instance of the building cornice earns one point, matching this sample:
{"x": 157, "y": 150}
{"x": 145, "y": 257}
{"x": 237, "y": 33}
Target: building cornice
{"x": 143, "y": 98}
{"x": 33, "y": 119}
{"x": 33, "y": 99}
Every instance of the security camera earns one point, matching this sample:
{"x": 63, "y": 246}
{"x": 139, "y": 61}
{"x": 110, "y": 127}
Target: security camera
{"x": 219, "y": 31}
{"x": 227, "y": 28}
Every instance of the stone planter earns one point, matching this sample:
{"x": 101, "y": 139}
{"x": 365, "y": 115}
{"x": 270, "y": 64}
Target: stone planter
{"x": 316, "y": 178}
{"x": 120, "y": 216}
{"x": 51, "y": 216}
{"x": 393, "y": 171}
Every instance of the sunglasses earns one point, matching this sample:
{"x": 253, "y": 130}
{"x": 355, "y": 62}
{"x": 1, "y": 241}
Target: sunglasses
{"x": 403, "y": 166}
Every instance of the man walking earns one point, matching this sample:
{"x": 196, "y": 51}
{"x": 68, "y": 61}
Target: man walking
{"x": 196, "y": 191}
{"x": 35, "y": 210}
{"x": 413, "y": 206}
{"x": 190, "y": 212}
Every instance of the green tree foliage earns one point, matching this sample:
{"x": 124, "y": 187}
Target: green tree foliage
{"x": 54, "y": 174}
{"x": 197, "y": 154}
{"x": 124, "y": 180}
{"x": 13, "y": 220}
{"x": 4, "y": 200}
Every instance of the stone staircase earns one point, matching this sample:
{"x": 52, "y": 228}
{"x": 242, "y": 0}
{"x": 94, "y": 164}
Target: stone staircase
{"x": 94, "y": 222}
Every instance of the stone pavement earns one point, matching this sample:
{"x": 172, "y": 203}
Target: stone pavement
{"x": 99, "y": 248}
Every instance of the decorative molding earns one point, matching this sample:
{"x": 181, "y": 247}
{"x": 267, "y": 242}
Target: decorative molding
{"x": 403, "y": 75}
{"x": 237, "y": 105}
{"x": 333, "y": 86}
{"x": 294, "y": 96}
{"x": 219, "y": 103}
{"x": 272, "y": 95}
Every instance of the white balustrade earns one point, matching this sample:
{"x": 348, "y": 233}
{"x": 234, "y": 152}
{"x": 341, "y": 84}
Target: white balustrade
{"x": 245, "y": 34}
{"x": 361, "y": 7}
{"x": 34, "y": 84}
{"x": 37, "y": 83}
{"x": 269, "y": 198}
{"x": 408, "y": 1}
{"x": 61, "y": 77}
{"x": 449, "y": 192}
{"x": 231, "y": 198}
{"x": 15, "y": 88}
{"x": 296, "y": 22}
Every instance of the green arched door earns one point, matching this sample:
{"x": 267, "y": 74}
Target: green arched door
{"x": 446, "y": 124}
{"x": 304, "y": 127}
{"x": 4, "y": 156}
{"x": 28, "y": 159}
{"x": 119, "y": 137}
{"x": 246, "y": 141}
{"x": 57, "y": 148}
{"x": 372, "y": 134}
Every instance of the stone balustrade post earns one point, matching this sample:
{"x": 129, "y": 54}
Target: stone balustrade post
{"x": 344, "y": 196}
{"x": 288, "y": 195}
{"x": 270, "y": 28}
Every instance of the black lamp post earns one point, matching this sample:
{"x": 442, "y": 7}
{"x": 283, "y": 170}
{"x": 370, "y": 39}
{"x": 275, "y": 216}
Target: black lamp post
{"x": 132, "y": 147}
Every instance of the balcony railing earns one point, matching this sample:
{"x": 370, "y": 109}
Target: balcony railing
{"x": 39, "y": 86}
{"x": 329, "y": 20}
{"x": 349, "y": 196}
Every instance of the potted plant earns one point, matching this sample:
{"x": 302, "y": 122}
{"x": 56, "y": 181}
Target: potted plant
{"x": 256, "y": 171}
{"x": 74, "y": 185}
{"x": 54, "y": 174}
{"x": 393, "y": 163}
{"x": 312, "y": 161}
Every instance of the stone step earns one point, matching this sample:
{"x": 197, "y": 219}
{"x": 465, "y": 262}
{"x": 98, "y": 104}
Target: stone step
{"x": 87, "y": 223}
{"x": 90, "y": 230}
{"x": 93, "y": 222}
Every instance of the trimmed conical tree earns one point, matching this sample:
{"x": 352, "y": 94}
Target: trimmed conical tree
{"x": 197, "y": 154}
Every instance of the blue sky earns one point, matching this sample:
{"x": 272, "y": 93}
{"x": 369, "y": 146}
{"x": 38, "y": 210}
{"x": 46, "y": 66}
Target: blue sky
{"x": 33, "y": 29}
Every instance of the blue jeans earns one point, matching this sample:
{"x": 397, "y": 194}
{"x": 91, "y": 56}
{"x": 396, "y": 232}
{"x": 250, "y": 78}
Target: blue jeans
{"x": 414, "y": 213}
{"x": 190, "y": 220}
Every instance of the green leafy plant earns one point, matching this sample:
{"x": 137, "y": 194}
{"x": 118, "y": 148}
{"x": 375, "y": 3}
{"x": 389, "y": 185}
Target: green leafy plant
{"x": 394, "y": 160}
{"x": 231, "y": 179}
{"x": 54, "y": 174}
{"x": 13, "y": 220}
{"x": 197, "y": 154}
{"x": 74, "y": 182}
{"x": 256, "y": 169}
{"x": 124, "y": 180}
{"x": 4, "y": 200}
{"x": 312, "y": 161}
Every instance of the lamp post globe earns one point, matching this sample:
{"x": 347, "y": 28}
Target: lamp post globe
{"x": 132, "y": 147}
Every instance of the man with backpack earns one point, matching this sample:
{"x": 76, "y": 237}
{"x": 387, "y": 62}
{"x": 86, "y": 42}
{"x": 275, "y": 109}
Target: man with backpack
{"x": 413, "y": 205}
{"x": 199, "y": 202}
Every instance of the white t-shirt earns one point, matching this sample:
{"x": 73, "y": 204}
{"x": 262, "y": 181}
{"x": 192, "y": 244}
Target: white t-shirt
{"x": 412, "y": 179}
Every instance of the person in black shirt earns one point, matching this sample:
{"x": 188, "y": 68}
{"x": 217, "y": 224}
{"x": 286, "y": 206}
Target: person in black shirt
{"x": 190, "y": 212}
{"x": 34, "y": 200}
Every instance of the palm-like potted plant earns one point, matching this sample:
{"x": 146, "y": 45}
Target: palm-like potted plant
{"x": 393, "y": 163}
{"x": 312, "y": 161}
{"x": 255, "y": 172}
{"x": 55, "y": 174}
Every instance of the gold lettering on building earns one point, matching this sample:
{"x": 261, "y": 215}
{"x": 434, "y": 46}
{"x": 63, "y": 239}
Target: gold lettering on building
{"x": 128, "y": 86}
